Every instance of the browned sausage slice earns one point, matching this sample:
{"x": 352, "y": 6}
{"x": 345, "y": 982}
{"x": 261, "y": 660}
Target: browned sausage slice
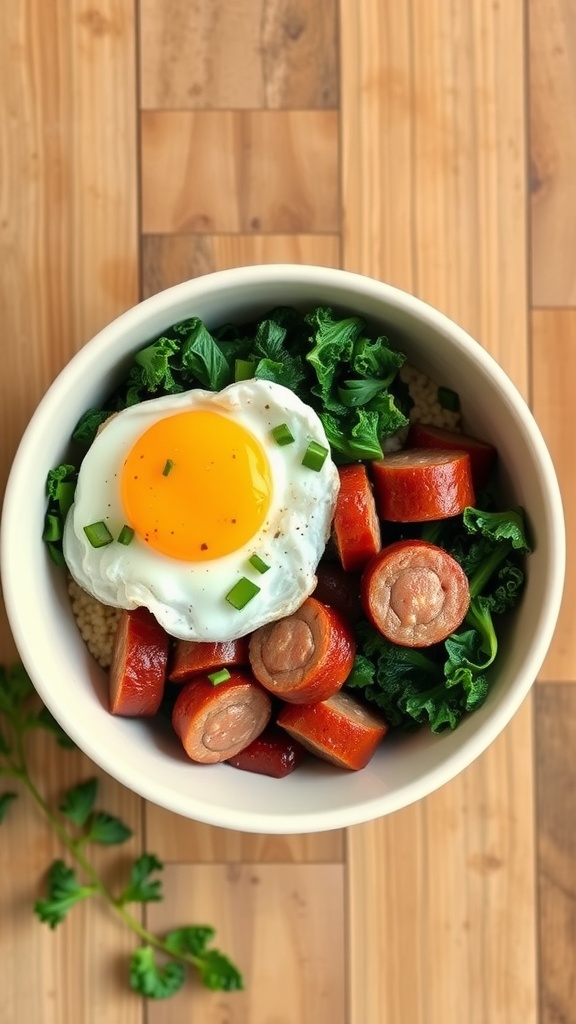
{"x": 356, "y": 527}
{"x": 272, "y": 753}
{"x": 339, "y": 730}
{"x": 306, "y": 656}
{"x": 419, "y": 484}
{"x": 191, "y": 657}
{"x": 214, "y": 722}
{"x": 139, "y": 661}
{"x": 482, "y": 454}
{"x": 415, "y": 593}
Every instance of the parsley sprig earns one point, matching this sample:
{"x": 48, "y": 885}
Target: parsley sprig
{"x": 158, "y": 967}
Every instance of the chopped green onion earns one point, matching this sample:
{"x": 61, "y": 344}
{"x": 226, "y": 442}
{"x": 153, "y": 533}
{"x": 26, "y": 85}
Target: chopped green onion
{"x": 449, "y": 399}
{"x": 168, "y": 467}
{"x": 219, "y": 677}
{"x": 315, "y": 456}
{"x": 52, "y": 527}
{"x": 257, "y": 563}
{"x": 282, "y": 435}
{"x": 125, "y": 535}
{"x": 56, "y": 555}
{"x": 66, "y": 491}
{"x": 98, "y": 534}
{"x": 244, "y": 369}
{"x": 242, "y": 592}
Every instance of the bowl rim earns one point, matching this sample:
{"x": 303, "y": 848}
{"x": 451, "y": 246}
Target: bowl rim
{"x": 85, "y": 361}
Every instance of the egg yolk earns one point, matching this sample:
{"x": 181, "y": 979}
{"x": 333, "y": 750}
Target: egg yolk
{"x": 196, "y": 486}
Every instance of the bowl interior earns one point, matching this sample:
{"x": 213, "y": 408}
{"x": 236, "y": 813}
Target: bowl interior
{"x": 146, "y": 756}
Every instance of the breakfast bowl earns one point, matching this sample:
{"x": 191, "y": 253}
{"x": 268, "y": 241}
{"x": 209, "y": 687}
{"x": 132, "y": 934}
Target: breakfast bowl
{"x": 145, "y": 754}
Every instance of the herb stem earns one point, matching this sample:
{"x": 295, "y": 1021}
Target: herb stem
{"x": 74, "y": 848}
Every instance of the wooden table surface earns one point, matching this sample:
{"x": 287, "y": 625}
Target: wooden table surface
{"x": 429, "y": 143}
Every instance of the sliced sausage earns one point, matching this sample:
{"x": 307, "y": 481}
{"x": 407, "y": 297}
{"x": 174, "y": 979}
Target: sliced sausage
{"x": 415, "y": 593}
{"x": 356, "y": 527}
{"x": 339, "y": 589}
{"x": 214, "y": 722}
{"x": 339, "y": 730}
{"x": 482, "y": 455}
{"x": 139, "y": 664}
{"x": 306, "y": 656}
{"x": 191, "y": 657}
{"x": 419, "y": 484}
{"x": 272, "y": 753}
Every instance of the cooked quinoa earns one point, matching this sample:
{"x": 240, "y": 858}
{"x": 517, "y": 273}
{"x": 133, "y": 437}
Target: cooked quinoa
{"x": 98, "y": 622}
{"x": 424, "y": 394}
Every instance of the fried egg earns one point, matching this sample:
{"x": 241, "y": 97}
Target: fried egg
{"x": 225, "y": 526}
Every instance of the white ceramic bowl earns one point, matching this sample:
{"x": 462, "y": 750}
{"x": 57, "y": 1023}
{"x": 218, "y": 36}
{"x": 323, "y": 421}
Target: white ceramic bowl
{"x": 146, "y": 757}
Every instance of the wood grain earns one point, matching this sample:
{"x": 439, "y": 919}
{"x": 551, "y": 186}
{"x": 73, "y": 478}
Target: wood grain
{"x": 552, "y": 86}
{"x": 446, "y": 889}
{"x": 179, "y": 840}
{"x": 68, "y": 246}
{"x": 240, "y": 171}
{"x": 433, "y": 159}
{"x": 169, "y": 259}
{"x": 556, "y": 739}
{"x": 436, "y": 88}
{"x": 554, "y": 366}
{"x": 284, "y": 927}
{"x": 257, "y": 54}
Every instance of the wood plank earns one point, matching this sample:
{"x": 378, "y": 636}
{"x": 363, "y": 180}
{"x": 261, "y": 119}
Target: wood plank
{"x": 284, "y": 928}
{"x": 240, "y": 171}
{"x": 177, "y": 839}
{"x": 555, "y": 742}
{"x": 552, "y": 34}
{"x": 441, "y": 899}
{"x": 169, "y": 259}
{"x": 433, "y": 160}
{"x": 554, "y": 366}
{"x": 257, "y": 54}
{"x": 68, "y": 245}
{"x": 434, "y": 201}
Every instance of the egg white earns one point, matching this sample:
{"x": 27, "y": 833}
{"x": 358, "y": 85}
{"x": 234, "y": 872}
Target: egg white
{"x": 189, "y": 598}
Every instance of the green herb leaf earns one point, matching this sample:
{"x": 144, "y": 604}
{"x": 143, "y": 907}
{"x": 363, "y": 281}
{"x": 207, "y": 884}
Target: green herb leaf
{"x": 216, "y": 970}
{"x": 497, "y": 526}
{"x": 353, "y": 393}
{"x": 106, "y": 829}
{"x": 201, "y": 356}
{"x": 191, "y": 940}
{"x": 219, "y": 973}
{"x": 15, "y": 687}
{"x": 374, "y": 358}
{"x": 78, "y": 802}
{"x": 152, "y": 371}
{"x": 354, "y": 437}
{"x": 89, "y": 424}
{"x": 46, "y": 720}
{"x": 5, "y": 801}
{"x": 64, "y": 892}
{"x": 140, "y": 888}
{"x": 152, "y": 980}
